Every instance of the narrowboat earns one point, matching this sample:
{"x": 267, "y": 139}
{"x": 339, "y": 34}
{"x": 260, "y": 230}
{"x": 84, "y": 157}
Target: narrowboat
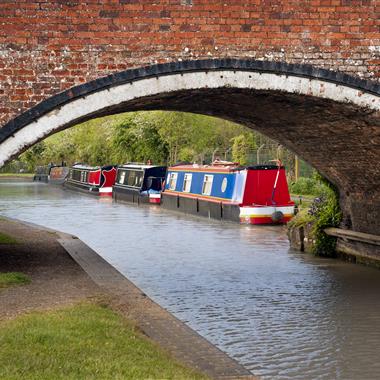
{"x": 42, "y": 174}
{"x": 58, "y": 175}
{"x": 54, "y": 174}
{"x": 251, "y": 195}
{"x": 139, "y": 183}
{"x": 97, "y": 180}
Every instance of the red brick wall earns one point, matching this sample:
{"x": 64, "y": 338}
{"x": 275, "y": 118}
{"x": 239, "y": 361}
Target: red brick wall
{"x": 47, "y": 46}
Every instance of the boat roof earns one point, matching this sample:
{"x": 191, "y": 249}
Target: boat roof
{"x": 88, "y": 167}
{"x": 139, "y": 166}
{"x": 220, "y": 168}
{"x": 205, "y": 168}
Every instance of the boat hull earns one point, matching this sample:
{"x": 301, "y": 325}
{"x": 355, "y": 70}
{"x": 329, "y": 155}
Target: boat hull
{"x": 201, "y": 207}
{"x": 230, "y": 212}
{"x": 122, "y": 194}
{"x": 266, "y": 214}
{"x": 92, "y": 190}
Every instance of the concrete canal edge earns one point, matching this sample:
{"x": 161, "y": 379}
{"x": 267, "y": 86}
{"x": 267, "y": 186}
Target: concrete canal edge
{"x": 156, "y": 322}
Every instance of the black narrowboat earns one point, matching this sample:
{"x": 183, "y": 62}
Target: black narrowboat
{"x": 97, "y": 180}
{"x": 139, "y": 183}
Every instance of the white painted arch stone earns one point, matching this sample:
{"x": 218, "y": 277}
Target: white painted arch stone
{"x": 57, "y": 119}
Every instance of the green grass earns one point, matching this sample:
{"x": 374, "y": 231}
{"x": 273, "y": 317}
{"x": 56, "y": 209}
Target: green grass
{"x": 86, "y": 341}
{"x": 16, "y": 174}
{"x": 6, "y": 239}
{"x": 13, "y": 278}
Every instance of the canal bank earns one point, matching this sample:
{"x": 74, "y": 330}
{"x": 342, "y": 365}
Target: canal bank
{"x": 351, "y": 246}
{"x": 46, "y": 256}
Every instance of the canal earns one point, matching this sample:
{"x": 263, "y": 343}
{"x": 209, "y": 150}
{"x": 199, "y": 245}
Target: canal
{"x": 282, "y": 314}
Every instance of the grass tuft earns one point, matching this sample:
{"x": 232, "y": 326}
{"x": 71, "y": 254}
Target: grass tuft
{"x": 86, "y": 341}
{"x": 12, "y": 279}
{"x": 16, "y": 175}
{"x": 6, "y": 239}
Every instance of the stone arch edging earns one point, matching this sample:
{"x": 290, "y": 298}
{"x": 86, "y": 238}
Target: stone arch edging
{"x": 182, "y": 75}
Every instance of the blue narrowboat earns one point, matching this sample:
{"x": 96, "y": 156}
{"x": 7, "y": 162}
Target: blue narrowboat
{"x": 253, "y": 195}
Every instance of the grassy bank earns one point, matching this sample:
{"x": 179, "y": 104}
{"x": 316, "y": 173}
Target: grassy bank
{"x": 13, "y": 279}
{"x": 17, "y": 175}
{"x": 6, "y": 239}
{"x": 86, "y": 341}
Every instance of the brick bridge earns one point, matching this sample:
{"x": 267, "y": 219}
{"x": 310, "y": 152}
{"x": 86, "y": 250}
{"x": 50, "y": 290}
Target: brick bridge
{"x": 305, "y": 73}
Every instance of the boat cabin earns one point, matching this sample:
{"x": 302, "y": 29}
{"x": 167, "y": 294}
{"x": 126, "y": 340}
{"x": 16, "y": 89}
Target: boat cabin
{"x": 96, "y": 180}
{"x": 139, "y": 183}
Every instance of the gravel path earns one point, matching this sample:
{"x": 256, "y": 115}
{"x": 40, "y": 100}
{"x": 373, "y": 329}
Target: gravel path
{"x": 56, "y": 279}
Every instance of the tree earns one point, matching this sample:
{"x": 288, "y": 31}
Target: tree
{"x": 241, "y": 147}
{"x": 160, "y": 136}
{"x": 138, "y": 139}
{"x": 34, "y": 156}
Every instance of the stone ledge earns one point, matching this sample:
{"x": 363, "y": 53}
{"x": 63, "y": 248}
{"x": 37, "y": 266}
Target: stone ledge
{"x": 353, "y": 235}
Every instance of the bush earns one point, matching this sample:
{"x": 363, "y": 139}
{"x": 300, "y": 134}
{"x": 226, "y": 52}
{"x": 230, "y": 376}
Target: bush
{"x": 301, "y": 219}
{"x": 307, "y": 186}
{"x": 326, "y": 212}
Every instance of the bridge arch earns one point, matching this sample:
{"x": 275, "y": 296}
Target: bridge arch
{"x": 330, "y": 119}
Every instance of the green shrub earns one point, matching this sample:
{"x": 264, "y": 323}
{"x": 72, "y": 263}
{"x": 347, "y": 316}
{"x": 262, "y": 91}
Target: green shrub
{"x": 326, "y": 212}
{"x": 302, "y": 219}
{"x": 323, "y": 212}
{"x": 307, "y": 186}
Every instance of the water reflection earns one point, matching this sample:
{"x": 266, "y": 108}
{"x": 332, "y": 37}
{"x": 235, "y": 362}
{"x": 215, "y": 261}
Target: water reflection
{"x": 283, "y": 314}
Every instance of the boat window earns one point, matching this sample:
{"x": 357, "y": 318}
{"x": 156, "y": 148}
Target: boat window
{"x": 173, "y": 181}
{"x": 187, "y": 183}
{"x": 75, "y": 175}
{"x": 131, "y": 178}
{"x": 207, "y": 184}
{"x": 138, "y": 179}
{"x": 224, "y": 185}
{"x": 121, "y": 178}
{"x": 125, "y": 182}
